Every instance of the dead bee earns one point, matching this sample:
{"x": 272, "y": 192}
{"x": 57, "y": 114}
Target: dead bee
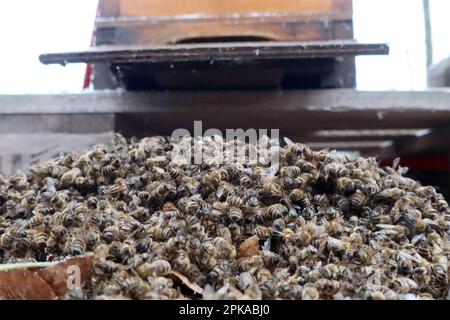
{"x": 310, "y": 293}
{"x": 438, "y": 272}
{"x": 110, "y": 169}
{"x": 36, "y": 220}
{"x": 270, "y": 189}
{"x": 358, "y": 199}
{"x": 225, "y": 249}
{"x": 157, "y": 268}
{"x": 77, "y": 246}
{"x": 327, "y": 287}
{"x": 300, "y": 197}
{"x": 276, "y": 211}
{"x": 69, "y": 177}
{"x": 110, "y": 233}
{"x": 59, "y": 233}
{"x": 235, "y": 201}
{"x": 321, "y": 200}
{"x": 182, "y": 263}
{"x": 345, "y": 185}
{"x": 119, "y": 187}
{"x": 290, "y": 171}
{"x": 92, "y": 236}
{"x": 235, "y": 214}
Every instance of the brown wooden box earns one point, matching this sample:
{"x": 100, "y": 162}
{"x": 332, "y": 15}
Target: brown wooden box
{"x": 173, "y": 21}
{"x": 161, "y": 22}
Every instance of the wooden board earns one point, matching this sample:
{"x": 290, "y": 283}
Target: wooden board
{"x": 386, "y": 124}
{"x": 238, "y": 52}
{"x": 182, "y": 7}
{"x": 19, "y": 150}
{"x": 161, "y": 22}
{"x": 163, "y": 30}
{"x": 321, "y": 117}
{"x": 227, "y": 65}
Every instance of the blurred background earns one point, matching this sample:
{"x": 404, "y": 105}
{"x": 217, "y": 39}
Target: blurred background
{"x": 29, "y": 28}
{"x": 364, "y": 101}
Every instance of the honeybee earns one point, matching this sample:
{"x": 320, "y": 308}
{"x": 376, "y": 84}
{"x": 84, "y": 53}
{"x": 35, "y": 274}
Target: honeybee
{"x": 305, "y": 166}
{"x": 403, "y": 285}
{"x": 235, "y": 214}
{"x": 310, "y": 293}
{"x": 279, "y": 224}
{"x": 181, "y": 263}
{"x": 276, "y": 211}
{"x": 246, "y": 181}
{"x": 345, "y": 185}
{"x": 271, "y": 189}
{"x": 217, "y": 274}
{"x": 236, "y": 230}
{"x": 110, "y": 169}
{"x": 126, "y": 251}
{"x": 110, "y": 233}
{"x": 158, "y": 268}
{"x": 358, "y": 199}
{"x": 331, "y": 214}
{"x": 36, "y": 220}
{"x": 40, "y": 240}
{"x": 69, "y": 177}
{"x": 224, "y": 232}
{"x": 437, "y": 272}
{"x": 119, "y": 187}
{"x": 77, "y": 246}
{"x": 92, "y": 236}
{"x": 224, "y": 248}
{"x": 143, "y": 195}
{"x": 290, "y": 171}
{"x": 327, "y": 287}
{"x": 59, "y": 233}
{"x": 235, "y": 201}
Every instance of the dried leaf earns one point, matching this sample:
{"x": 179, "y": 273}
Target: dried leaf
{"x": 57, "y": 275}
{"x": 249, "y": 247}
{"x": 23, "y": 281}
{"x": 24, "y": 284}
{"x": 181, "y": 279}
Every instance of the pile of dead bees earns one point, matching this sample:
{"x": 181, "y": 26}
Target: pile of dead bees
{"x": 318, "y": 226}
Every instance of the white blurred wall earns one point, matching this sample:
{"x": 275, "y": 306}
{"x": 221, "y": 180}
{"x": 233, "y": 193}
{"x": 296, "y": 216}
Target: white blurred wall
{"x": 401, "y": 24}
{"x": 31, "y": 27}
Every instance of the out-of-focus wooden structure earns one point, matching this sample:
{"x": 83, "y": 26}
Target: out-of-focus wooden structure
{"x": 174, "y": 21}
{"x": 159, "y": 22}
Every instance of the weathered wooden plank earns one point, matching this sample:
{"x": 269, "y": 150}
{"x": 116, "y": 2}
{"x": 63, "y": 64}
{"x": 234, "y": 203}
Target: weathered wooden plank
{"x": 404, "y": 104}
{"x": 126, "y": 31}
{"x": 18, "y": 151}
{"x": 297, "y": 114}
{"x": 181, "y": 7}
{"x": 45, "y": 123}
{"x": 234, "y": 51}
{"x": 437, "y": 139}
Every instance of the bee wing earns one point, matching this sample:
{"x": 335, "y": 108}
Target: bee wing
{"x": 395, "y": 163}
{"x": 405, "y": 255}
{"x": 288, "y": 141}
{"x": 402, "y": 170}
{"x": 266, "y": 245}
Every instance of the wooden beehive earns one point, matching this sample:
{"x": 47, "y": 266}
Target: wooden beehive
{"x": 175, "y": 21}
{"x": 162, "y": 22}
